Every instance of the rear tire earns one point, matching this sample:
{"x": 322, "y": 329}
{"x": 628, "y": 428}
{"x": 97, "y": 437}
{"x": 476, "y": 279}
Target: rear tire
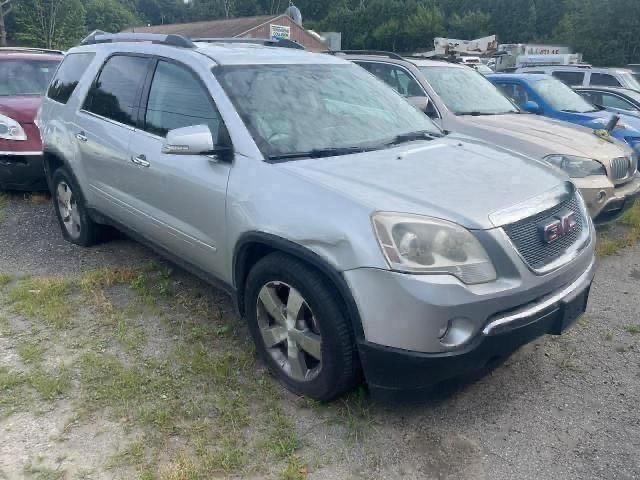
{"x": 75, "y": 223}
{"x": 300, "y": 329}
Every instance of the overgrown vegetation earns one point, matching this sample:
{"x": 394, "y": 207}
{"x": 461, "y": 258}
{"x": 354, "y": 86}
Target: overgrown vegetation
{"x": 604, "y": 30}
{"x": 611, "y": 244}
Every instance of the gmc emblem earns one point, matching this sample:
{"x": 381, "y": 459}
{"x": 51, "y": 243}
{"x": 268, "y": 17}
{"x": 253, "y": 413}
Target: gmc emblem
{"x": 560, "y": 225}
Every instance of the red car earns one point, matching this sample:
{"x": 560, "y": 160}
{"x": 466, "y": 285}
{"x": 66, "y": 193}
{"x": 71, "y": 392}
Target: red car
{"x": 24, "y": 76}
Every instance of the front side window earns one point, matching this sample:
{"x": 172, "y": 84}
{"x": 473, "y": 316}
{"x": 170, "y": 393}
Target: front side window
{"x": 569, "y": 78}
{"x": 68, "y": 75}
{"x": 115, "y": 92}
{"x": 515, "y": 92}
{"x": 25, "y": 77}
{"x": 560, "y": 97}
{"x": 466, "y": 92}
{"x": 630, "y": 80}
{"x": 396, "y": 77}
{"x": 177, "y": 99}
{"x": 291, "y": 109}
{"x": 604, "y": 80}
{"x": 614, "y": 101}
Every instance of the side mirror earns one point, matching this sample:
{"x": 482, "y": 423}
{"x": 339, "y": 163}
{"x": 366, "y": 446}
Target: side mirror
{"x": 424, "y": 105}
{"x": 421, "y": 103}
{"x": 532, "y": 107}
{"x": 195, "y": 140}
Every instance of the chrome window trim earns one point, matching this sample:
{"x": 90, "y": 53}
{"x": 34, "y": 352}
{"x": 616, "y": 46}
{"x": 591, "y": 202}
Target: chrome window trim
{"x": 100, "y": 117}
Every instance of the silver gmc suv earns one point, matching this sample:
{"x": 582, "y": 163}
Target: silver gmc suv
{"x": 356, "y": 238}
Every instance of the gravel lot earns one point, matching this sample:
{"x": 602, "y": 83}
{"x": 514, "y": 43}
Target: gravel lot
{"x": 561, "y": 408}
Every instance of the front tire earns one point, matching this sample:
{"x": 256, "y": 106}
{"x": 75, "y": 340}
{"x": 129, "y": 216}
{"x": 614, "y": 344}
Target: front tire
{"x": 75, "y": 223}
{"x": 300, "y": 329}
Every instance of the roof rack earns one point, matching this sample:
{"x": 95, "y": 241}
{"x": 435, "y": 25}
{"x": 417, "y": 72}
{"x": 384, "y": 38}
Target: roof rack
{"x": 378, "y": 53}
{"x": 172, "y": 40}
{"x": 281, "y": 42}
{"x": 30, "y": 50}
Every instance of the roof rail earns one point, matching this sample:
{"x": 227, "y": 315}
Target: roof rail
{"x": 172, "y": 40}
{"x": 30, "y": 50}
{"x": 281, "y": 42}
{"x": 379, "y": 53}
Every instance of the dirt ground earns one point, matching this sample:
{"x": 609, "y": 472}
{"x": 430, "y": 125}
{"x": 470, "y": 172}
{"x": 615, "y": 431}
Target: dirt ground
{"x": 114, "y": 364}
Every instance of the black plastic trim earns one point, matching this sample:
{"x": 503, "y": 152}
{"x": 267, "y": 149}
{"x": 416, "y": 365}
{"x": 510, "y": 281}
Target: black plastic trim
{"x": 283, "y": 245}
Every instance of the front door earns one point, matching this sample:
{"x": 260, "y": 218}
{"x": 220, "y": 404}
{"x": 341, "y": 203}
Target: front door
{"x": 104, "y": 127}
{"x": 182, "y": 197}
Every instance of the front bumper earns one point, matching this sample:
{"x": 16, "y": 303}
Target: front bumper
{"x": 389, "y": 369}
{"x": 22, "y": 171}
{"x": 606, "y": 202}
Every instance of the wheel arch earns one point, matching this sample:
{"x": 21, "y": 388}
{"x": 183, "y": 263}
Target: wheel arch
{"x": 253, "y": 246}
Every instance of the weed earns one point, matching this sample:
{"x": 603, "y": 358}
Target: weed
{"x": 633, "y": 329}
{"x": 4, "y": 201}
{"x": 41, "y": 472}
{"x": 5, "y": 279}
{"x": 608, "y": 336}
{"x": 355, "y": 415}
{"x": 50, "y": 385}
{"x": 295, "y": 469}
{"x": 47, "y": 298}
{"x": 31, "y": 351}
{"x": 108, "y": 277}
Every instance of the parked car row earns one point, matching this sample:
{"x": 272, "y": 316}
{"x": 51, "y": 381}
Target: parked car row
{"x": 460, "y": 100}
{"x": 360, "y": 237}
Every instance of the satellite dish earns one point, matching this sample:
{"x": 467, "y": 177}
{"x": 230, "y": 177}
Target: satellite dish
{"x": 294, "y": 13}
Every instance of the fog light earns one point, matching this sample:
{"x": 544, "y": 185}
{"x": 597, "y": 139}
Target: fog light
{"x": 457, "y": 332}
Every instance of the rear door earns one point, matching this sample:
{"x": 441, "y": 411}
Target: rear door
{"x": 182, "y": 197}
{"x": 104, "y": 126}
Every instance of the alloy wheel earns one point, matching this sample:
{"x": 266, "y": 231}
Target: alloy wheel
{"x": 68, "y": 208}
{"x": 289, "y": 331}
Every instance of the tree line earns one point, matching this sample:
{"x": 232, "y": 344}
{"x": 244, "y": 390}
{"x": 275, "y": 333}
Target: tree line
{"x": 605, "y": 31}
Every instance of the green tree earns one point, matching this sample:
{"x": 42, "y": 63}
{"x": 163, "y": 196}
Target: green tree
{"x": 50, "y": 23}
{"x": 469, "y": 25}
{"x": 109, "y": 15}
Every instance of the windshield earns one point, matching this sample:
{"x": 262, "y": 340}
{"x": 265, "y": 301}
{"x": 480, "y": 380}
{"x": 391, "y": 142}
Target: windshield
{"x": 561, "y": 97}
{"x": 303, "y": 108}
{"x": 25, "y": 77}
{"x": 630, "y": 80}
{"x": 464, "y": 91}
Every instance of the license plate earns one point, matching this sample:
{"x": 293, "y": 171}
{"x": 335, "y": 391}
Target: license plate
{"x": 573, "y": 309}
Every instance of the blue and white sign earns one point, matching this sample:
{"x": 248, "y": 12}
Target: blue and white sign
{"x": 280, "y": 31}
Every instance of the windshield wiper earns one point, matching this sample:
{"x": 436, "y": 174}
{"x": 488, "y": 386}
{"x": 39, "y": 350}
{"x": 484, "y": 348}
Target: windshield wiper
{"x": 476, "y": 113}
{"x": 413, "y": 136}
{"x": 578, "y": 111}
{"x": 317, "y": 153}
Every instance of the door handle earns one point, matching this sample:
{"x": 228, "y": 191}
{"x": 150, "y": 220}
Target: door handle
{"x": 140, "y": 160}
{"x": 81, "y": 136}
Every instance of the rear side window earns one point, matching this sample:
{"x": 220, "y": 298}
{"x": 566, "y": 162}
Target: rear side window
{"x": 116, "y": 91}
{"x": 570, "y": 78}
{"x": 68, "y": 75}
{"x": 396, "y": 77}
{"x": 177, "y": 99}
{"x": 515, "y": 92}
{"x": 604, "y": 79}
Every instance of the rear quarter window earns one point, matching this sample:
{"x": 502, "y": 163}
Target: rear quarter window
{"x": 570, "y": 78}
{"x": 604, "y": 79}
{"x": 68, "y": 75}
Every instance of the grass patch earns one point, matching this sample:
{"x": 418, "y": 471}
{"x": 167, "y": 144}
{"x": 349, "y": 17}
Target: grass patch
{"x": 44, "y": 298}
{"x": 355, "y": 415}
{"x": 50, "y": 385}
{"x": 633, "y": 329}
{"x": 41, "y": 472}
{"x": 608, "y": 246}
{"x": 31, "y": 351}
{"x": 4, "y": 202}
{"x": 5, "y": 279}
{"x": 295, "y": 469}
{"x": 13, "y": 395}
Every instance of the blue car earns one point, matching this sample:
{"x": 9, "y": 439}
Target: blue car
{"x": 544, "y": 95}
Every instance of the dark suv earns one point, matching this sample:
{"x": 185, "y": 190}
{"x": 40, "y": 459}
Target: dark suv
{"x": 24, "y": 76}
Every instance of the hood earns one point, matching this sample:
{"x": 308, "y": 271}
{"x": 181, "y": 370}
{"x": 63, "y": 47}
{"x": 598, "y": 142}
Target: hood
{"x": 458, "y": 179}
{"x": 538, "y": 136}
{"x": 599, "y": 119}
{"x": 22, "y": 109}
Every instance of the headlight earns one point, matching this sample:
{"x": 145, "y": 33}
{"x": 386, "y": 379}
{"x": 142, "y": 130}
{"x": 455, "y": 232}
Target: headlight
{"x": 416, "y": 244}
{"x": 577, "y": 167}
{"x": 10, "y": 129}
{"x": 634, "y": 142}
